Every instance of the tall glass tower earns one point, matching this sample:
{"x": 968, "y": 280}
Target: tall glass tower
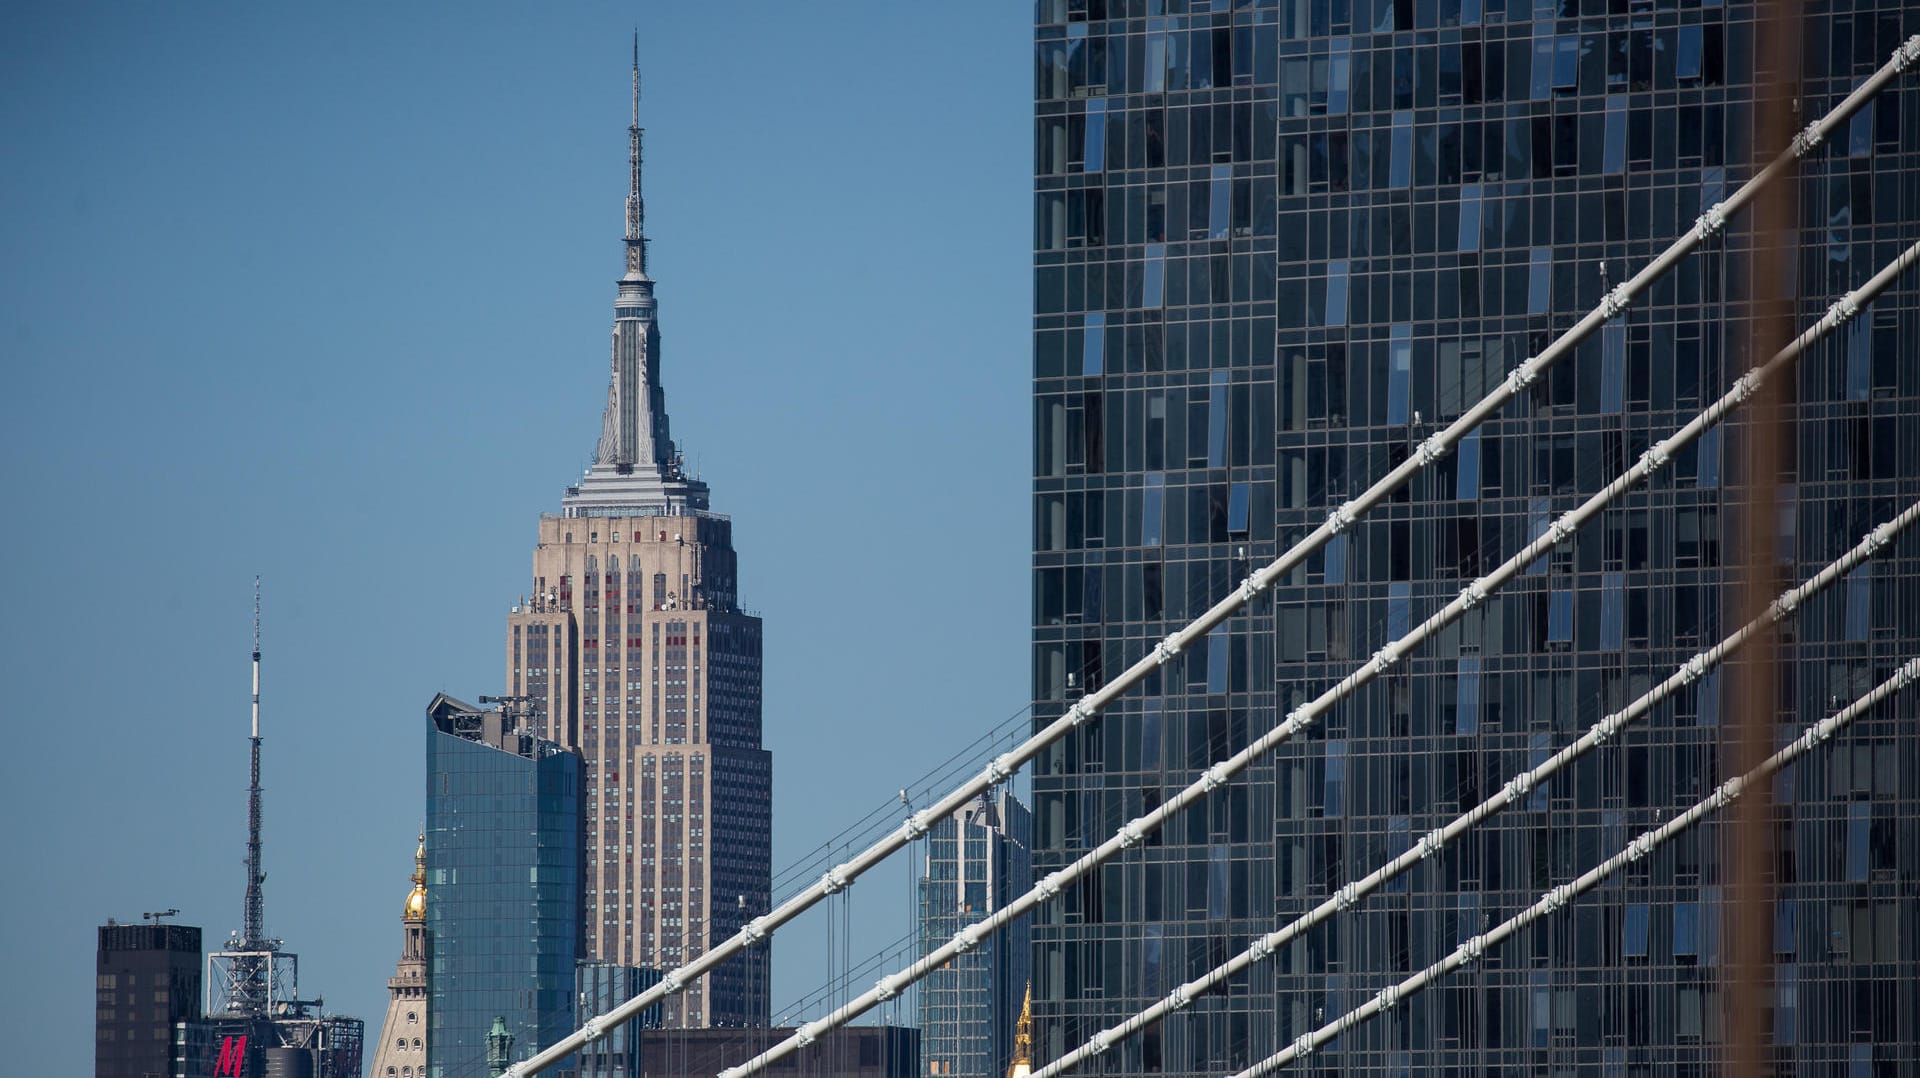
{"x": 632, "y": 649}
{"x": 1276, "y": 242}
{"x": 977, "y": 862}
{"x": 503, "y": 869}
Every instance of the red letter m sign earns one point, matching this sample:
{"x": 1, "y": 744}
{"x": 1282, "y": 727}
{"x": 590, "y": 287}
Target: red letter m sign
{"x": 233, "y": 1058}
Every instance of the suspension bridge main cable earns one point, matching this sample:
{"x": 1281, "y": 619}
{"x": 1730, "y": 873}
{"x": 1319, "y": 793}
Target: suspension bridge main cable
{"x": 1691, "y": 671}
{"x": 1560, "y": 896}
{"x": 1002, "y": 767}
{"x": 1134, "y": 832}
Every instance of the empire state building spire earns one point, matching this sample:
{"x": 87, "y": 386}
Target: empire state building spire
{"x": 636, "y": 467}
{"x": 636, "y": 206}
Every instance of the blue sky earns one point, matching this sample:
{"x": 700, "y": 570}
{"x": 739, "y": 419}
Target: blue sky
{"x": 322, "y": 293}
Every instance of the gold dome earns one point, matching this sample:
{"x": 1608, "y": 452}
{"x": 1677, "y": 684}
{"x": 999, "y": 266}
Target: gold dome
{"x": 417, "y": 898}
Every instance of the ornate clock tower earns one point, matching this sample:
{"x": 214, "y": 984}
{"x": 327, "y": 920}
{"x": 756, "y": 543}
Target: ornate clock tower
{"x": 401, "y": 1051}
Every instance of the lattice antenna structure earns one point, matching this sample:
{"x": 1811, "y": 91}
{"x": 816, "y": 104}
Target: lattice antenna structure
{"x": 252, "y": 976}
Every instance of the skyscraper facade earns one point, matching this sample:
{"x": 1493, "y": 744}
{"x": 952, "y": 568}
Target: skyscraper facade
{"x": 146, "y": 979}
{"x": 503, "y": 868}
{"x": 977, "y": 862}
{"x": 401, "y": 1049}
{"x": 634, "y": 651}
{"x": 1276, "y": 242}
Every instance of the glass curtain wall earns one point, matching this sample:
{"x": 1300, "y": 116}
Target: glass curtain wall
{"x": 1276, "y": 243}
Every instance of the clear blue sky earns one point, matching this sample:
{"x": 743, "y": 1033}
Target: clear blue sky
{"x": 322, "y": 293}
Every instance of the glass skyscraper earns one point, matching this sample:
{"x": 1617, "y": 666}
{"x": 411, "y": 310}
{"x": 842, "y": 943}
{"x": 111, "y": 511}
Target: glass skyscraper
{"x": 1276, "y": 243}
{"x": 977, "y": 861}
{"x": 504, "y": 834}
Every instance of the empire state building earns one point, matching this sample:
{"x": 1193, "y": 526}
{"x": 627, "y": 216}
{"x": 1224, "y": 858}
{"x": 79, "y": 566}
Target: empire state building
{"x": 631, "y": 648}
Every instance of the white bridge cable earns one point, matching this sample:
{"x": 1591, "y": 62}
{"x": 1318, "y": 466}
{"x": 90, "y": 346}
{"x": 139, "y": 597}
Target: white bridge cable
{"x": 1560, "y": 896}
{"x": 1135, "y": 831}
{"x": 1003, "y": 767}
{"x": 1696, "y": 667}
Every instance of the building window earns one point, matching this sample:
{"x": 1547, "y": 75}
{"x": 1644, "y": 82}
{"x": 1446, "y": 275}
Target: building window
{"x": 1399, "y": 609}
{"x": 1400, "y": 163}
{"x": 1153, "y": 286}
{"x": 1612, "y": 610}
{"x": 1469, "y": 238}
{"x": 1614, "y": 144}
{"x": 1613, "y": 365}
{"x": 1219, "y": 201}
{"x": 1859, "y": 827}
{"x": 1859, "y": 602}
{"x": 1466, "y": 713}
{"x": 1339, "y": 77}
{"x": 1466, "y": 482}
{"x": 1337, "y": 270}
{"x": 1686, "y": 929}
{"x": 1399, "y": 374}
{"x": 1153, "y": 503}
{"x": 1688, "y": 64}
{"x": 1560, "y": 617}
{"x": 1539, "y": 280}
{"x": 1093, "y": 347}
{"x": 1633, "y": 935}
{"x": 1217, "y": 415}
{"x": 1094, "y": 151}
{"x": 1333, "y": 799}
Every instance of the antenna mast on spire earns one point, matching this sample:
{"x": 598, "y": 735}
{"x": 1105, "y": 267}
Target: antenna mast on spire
{"x": 636, "y": 208}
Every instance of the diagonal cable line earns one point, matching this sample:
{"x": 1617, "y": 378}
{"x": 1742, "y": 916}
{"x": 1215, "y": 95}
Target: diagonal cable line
{"x": 1217, "y": 776}
{"x": 1560, "y": 896}
{"x": 1002, "y": 767}
{"x": 1431, "y": 843}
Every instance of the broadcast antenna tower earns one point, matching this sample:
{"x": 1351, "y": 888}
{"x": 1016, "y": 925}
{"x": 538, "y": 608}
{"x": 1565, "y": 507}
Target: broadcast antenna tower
{"x": 252, "y": 974}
